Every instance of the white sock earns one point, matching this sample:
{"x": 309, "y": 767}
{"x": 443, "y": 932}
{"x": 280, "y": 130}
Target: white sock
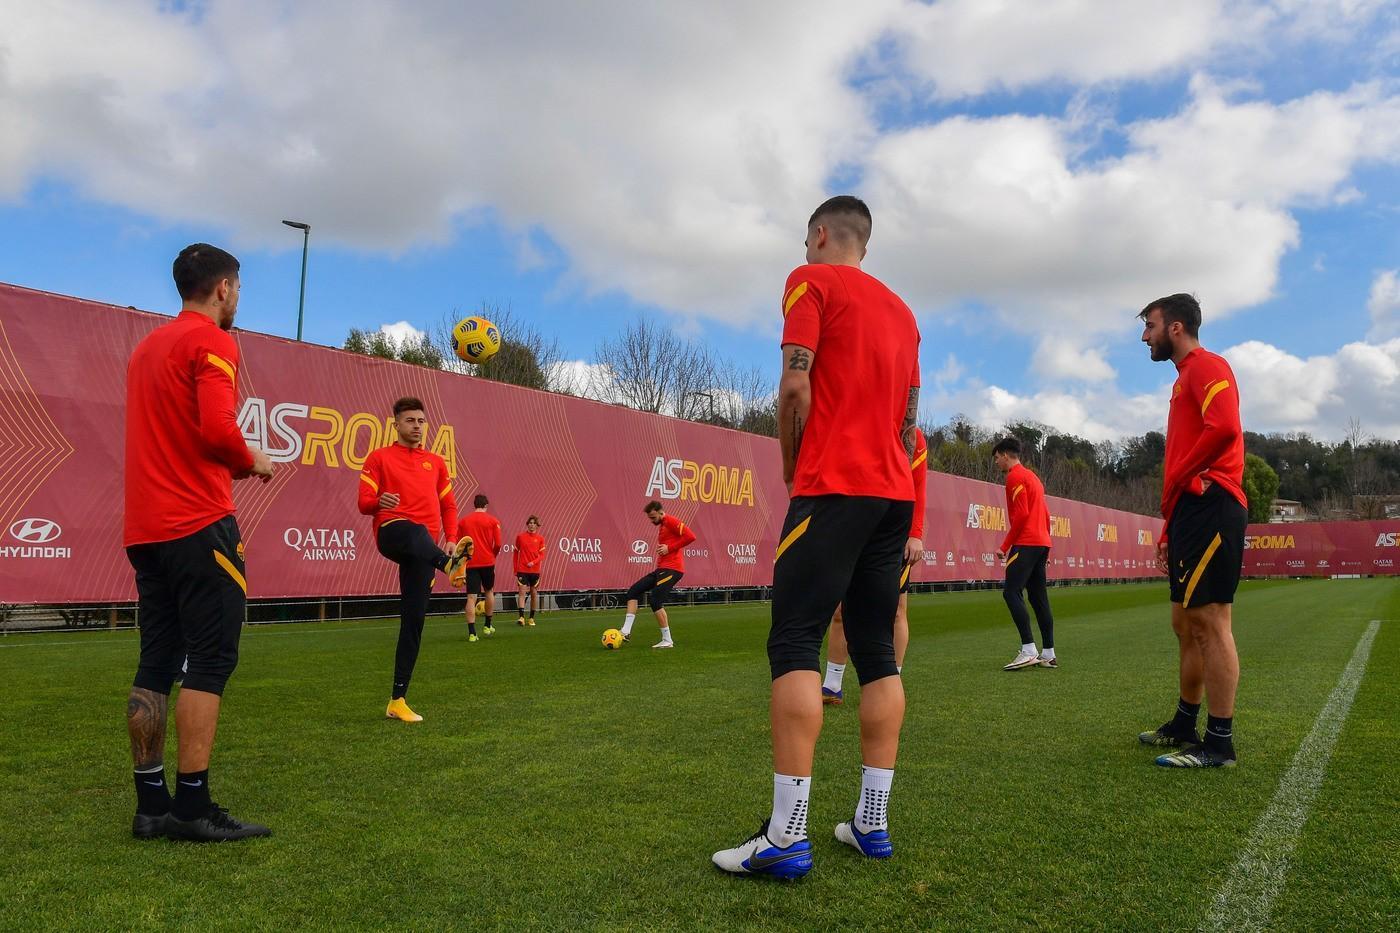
{"x": 834, "y": 673}
{"x": 627, "y": 623}
{"x": 872, "y": 811}
{"x": 1028, "y": 648}
{"x": 665, "y": 633}
{"x": 789, "y": 821}
{"x": 1047, "y": 653}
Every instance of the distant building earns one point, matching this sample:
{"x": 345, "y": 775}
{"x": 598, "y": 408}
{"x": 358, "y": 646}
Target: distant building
{"x": 1286, "y": 510}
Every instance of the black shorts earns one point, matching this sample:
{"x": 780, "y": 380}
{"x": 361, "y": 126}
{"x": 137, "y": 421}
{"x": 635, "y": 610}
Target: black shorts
{"x": 481, "y": 579}
{"x": 1205, "y": 548}
{"x": 191, "y": 595}
{"x": 528, "y": 579}
{"x": 838, "y": 550}
{"x": 904, "y": 576}
{"x": 657, "y": 585}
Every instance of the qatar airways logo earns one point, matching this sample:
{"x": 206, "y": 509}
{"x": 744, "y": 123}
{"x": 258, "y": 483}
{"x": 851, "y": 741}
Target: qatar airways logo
{"x": 743, "y": 553}
{"x": 582, "y": 550}
{"x": 986, "y": 517}
{"x": 321, "y": 543}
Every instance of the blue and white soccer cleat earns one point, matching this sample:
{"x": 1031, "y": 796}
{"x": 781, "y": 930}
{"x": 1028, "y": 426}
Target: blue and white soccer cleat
{"x": 757, "y": 855}
{"x": 874, "y": 844}
{"x": 831, "y": 697}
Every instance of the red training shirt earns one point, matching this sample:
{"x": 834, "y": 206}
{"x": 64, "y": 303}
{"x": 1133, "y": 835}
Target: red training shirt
{"x": 529, "y": 552}
{"x": 866, "y": 359}
{"x": 420, "y": 479}
{"x": 183, "y": 446}
{"x": 1204, "y": 436}
{"x": 1026, "y": 509}
{"x": 673, "y": 533}
{"x": 485, "y": 530}
{"x": 920, "y": 472}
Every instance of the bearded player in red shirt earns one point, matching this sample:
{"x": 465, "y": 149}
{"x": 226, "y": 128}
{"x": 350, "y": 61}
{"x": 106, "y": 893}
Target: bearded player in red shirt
{"x": 528, "y": 561}
{"x": 847, "y": 402}
{"x": 409, "y": 493}
{"x": 672, "y": 537}
{"x": 1202, "y": 547}
{"x": 1026, "y": 551}
{"x": 183, "y": 452}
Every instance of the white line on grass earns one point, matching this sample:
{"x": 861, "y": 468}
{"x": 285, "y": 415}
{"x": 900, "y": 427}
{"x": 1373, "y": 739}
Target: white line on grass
{"x": 1246, "y": 900}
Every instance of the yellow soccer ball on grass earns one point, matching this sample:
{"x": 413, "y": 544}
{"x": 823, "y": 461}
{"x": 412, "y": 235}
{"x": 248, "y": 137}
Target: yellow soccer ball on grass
{"x": 475, "y": 339}
{"x": 612, "y": 639}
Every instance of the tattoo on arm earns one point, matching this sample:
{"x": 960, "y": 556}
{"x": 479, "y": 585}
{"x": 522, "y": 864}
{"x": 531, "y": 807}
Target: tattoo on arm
{"x": 801, "y": 360}
{"x": 797, "y": 428}
{"x": 911, "y": 416}
{"x": 145, "y": 722}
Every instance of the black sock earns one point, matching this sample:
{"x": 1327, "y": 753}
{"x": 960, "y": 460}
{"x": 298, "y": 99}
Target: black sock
{"x": 1220, "y": 731}
{"x": 1185, "y": 719}
{"x": 400, "y": 690}
{"x": 488, "y": 620}
{"x": 152, "y": 798}
{"x": 191, "y": 794}
{"x": 532, "y": 613}
{"x": 471, "y": 628}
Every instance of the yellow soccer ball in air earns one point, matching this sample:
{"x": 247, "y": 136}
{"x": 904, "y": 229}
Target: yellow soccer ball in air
{"x": 475, "y": 339}
{"x": 612, "y": 639}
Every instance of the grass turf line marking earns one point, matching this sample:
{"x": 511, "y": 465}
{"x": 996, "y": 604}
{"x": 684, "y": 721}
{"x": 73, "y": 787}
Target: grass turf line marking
{"x": 1246, "y": 900}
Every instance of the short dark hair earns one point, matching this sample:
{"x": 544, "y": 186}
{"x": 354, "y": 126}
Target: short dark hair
{"x": 200, "y": 268}
{"x": 846, "y": 216}
{"x": 408, "y": 403}
{"x": 653, "y": 506}
{"x": 1179, "y": 307}
{"x": 1008, "y": 445}
{"x": 479, "y": 501}
{"x": 533, "y": 518}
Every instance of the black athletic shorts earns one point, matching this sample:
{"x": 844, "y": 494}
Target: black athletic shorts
{"x": 191, "y": 594}
{"x": 481, "y": 579}
{"x": 527, "y": 579}
{"x": 838, "y": 550}
{"x": 1205, "y": 548}
{"x": 657, "y": 585}
{"x": 904, "y": 576}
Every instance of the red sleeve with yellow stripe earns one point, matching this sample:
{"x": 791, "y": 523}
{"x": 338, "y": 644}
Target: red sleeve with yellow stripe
{"x": 1018, "y": 506}
{"x": 1209, "y": 423}
{"x": 449, "y": 503}
{"x": 920, "y": 467}
{"x": 804, "y": 297}
{"x": 216, "y": 381}
{"x": 371, "y": 479}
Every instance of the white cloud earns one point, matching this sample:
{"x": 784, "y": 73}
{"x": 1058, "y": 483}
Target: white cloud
{"x": 401, "y": 332}
{"x": 1100, "y": 414}
{"x": 1063, "y": 359}
{"x": 1384, "y": 306}
{"x": 1320, "y": 394}
{"x": 580, "y": 377}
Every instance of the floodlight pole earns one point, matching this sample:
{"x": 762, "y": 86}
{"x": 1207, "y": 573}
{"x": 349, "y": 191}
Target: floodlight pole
{"x": 305, "y": 243}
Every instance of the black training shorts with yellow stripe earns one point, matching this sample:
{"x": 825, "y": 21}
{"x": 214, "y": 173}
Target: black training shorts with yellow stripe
{"x": 1205, "y": 548}
{"x": 656, "y": 585}
{"x": 838, "y": 550}
{"x": 191, "y": 594}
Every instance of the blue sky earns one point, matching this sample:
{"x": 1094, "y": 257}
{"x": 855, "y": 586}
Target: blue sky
{"x": 1037, "y": 172}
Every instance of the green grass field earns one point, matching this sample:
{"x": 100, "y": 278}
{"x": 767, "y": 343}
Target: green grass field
{"x": 557, "y": 785}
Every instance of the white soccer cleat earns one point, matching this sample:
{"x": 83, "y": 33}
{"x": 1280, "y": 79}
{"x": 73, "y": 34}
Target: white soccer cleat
{"x": 758, "y": 855}
{"x": 1023, "y": 660}
{"x": 664, "y": 644}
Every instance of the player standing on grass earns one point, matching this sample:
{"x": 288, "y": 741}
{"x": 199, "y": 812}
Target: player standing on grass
{"x": 183, "y": 451}
{"x": 672, "y": 538}
{"x": 847, "y": 402}
{"x": 1026, "y": 552}
{"x": 836, "y": 653}
{"x": 1202, "y": 545}
{"x": 529, "y": 562}
{"x": 409, "y": 493}
{"x": 485, "y": 531}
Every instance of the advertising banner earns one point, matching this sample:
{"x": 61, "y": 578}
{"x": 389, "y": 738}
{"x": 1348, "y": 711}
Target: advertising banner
{"x": 1322, "y": 549}
{"x": 585, "y": 468}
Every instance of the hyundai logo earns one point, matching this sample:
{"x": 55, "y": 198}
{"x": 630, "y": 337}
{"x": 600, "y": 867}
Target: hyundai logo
{"x": 35, "y": 530}
{"x": 639, "y": 548}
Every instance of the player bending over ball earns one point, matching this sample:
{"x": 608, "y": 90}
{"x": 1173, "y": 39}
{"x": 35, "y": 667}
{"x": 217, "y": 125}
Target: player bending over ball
{"x": 1202, "y": 546}
{"x": 480, "y": 572}
{"x": 529, "y": 562}
{"x": 836, "y": 651}
{"x": 672, "y": 538}
{"x": 846, "y": 428}
{"x": 409, "y": 493}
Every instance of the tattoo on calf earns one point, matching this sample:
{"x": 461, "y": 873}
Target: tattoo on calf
{"x": 145, "y": 721}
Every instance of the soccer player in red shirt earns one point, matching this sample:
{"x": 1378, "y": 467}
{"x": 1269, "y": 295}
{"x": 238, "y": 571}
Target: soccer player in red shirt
{"x": 836, "y": 653}
{"x": 183, "y": 451}
{"x": 1025, "y": 552}
{"x": 528, "y": 561}
{"x": 1202, "y": 546}
{"x": 409, "y": 492}
{"x": 847, "y": 402}
{"x": 480, "y": 573}
{"x": 672, "y": 537}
